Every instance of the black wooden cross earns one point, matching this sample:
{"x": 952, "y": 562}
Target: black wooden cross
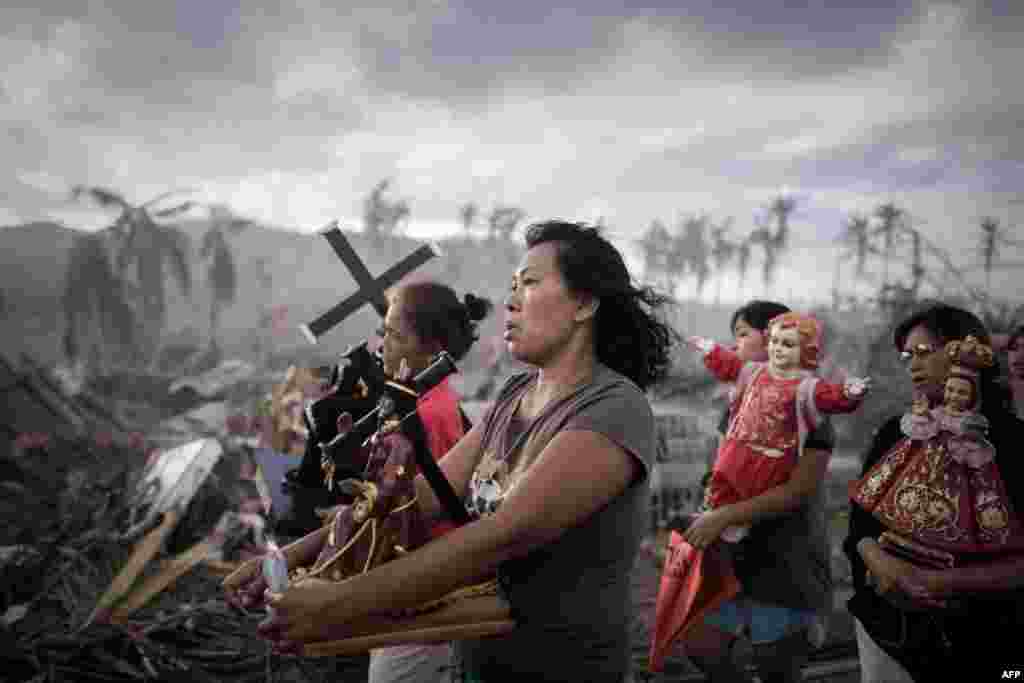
{"x": 371, "y": 291}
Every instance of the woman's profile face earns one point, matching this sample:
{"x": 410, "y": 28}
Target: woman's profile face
{"x": 924, "y": 356}
{"x": 400, "y": 341}
{"x": 539, "y": 309}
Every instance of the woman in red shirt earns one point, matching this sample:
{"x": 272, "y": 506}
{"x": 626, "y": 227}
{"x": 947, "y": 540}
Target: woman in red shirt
{"x": 423, "y": 319}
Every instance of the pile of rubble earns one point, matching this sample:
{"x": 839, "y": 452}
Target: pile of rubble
{"x": 121, "y": 520}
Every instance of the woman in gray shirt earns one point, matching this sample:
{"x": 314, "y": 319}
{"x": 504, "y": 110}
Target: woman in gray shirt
{"x": 557, "y": 472}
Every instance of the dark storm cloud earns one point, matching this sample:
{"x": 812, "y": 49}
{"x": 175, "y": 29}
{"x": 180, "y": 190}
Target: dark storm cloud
{"x": 292, "y": 111}
{"x": 469, "y": 51}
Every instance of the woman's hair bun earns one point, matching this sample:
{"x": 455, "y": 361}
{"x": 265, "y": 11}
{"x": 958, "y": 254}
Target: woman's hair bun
{"x": 476, "y": 307}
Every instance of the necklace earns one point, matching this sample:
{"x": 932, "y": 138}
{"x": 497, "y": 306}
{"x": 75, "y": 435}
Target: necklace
{"x": 527, "y": 400}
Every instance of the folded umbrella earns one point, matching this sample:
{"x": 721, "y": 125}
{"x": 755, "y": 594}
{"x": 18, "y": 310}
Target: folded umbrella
{"x": 693, "y": 583}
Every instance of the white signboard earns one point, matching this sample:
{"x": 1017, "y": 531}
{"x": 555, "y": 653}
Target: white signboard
{"x": 170, "y": 481}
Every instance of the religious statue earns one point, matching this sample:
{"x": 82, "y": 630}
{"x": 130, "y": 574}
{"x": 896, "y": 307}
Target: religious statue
{"x": 939, "y": 490}
{"x": 776, "y": 405}
{"x": 381, "y": 520}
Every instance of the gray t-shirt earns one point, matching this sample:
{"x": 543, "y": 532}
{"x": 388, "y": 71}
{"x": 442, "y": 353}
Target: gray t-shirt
{"x": 571, "y": 598}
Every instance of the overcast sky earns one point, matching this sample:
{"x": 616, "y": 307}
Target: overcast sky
{"x": 291, "y": 114}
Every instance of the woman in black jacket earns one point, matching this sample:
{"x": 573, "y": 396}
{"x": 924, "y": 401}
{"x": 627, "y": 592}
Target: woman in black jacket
{"x": 914, "y": 623}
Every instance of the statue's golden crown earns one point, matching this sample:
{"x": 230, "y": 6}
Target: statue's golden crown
{"x": 970, "y": 354}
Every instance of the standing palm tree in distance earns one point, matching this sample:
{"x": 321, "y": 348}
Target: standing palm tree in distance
{"x": 222, "y": 272}
{"x": 143, "y": 248}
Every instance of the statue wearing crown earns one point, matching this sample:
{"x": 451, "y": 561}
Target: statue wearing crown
{"x": 959, "y": 415}
{"x": 939, "y": 490}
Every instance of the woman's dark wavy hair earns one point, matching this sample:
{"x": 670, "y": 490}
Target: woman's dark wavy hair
{"x": 436, "y": 315}
{"x": 757, "y": 313}
{"x": 949, "y": 323}
{"x": 630, "y": 339}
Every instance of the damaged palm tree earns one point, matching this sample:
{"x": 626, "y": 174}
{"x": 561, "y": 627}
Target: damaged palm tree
{"x": 143, "y": 247}
{"x": 381, "y": 216}
{"x": 99, "y": 325}
{"x": 222, "y": 272}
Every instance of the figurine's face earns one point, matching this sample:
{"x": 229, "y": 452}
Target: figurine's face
{"x": 784, "y": 348}
{"x": 750, "y": 342}
{"x": 401, "y": 341}
{"x": 360, "y": 511}
{"x": 959, "y": 395}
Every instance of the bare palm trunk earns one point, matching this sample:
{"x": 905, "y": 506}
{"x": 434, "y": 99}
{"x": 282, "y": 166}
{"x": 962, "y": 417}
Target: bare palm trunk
{"x": 835, "y": 284}
{"x": 885, "y": 270}
{"x": 214, "y": 322}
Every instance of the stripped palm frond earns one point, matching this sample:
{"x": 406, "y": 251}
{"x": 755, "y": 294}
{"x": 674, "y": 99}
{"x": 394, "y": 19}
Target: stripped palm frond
{"x": 468, "y": 215}
{"x": 782, "y": 207}
{"x": 743, "y": 261}
{"x": 212, "y": 238}
{"x": 223, "y": 276}
{"x": 94, "y": 299}
{"x": 237, "y": 225}
{"x": 504, "y": 220}
{"x": 178, "y": 245}
{"x": 856, "y": 235}
{"x": 160, "y": 197}
{"x": 175, "y": 210}
{"x": 104, "y": 197}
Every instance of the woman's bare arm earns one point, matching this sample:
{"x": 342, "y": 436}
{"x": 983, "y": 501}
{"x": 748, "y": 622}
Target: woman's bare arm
{"x": 577, "y": 474}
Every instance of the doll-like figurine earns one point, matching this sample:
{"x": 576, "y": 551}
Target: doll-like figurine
{"x": 382, "y": 521}
{"x": 940, "y": 487}
{"x": 919, "y": 424}
{"x": 776, "y": 405}
{"x": 959, "y": 416}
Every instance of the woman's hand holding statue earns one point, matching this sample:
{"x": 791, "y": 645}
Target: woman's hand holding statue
{"x": 902, "y": 583}
{"x": 707, "y": 528}
{"x": 249, "y": 592}
{"x": 311, "y": 610}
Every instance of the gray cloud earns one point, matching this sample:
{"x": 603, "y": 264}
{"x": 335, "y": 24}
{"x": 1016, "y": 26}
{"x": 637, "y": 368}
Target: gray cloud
{"x": 292, "y": 112}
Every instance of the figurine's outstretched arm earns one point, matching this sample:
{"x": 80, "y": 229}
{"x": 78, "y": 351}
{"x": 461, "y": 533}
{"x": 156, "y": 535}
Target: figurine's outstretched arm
{"x": 702, "y": 344}
{"x": 856, "y": 388}
{"x": 831, "y": 397}
{"x": 723, "y": 363}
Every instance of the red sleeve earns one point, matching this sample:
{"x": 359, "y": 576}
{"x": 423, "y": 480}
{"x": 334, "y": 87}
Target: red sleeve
{"x": 723, "y": 364}
{"x": 442, "y": 423}
{"x": 829, "y": 398}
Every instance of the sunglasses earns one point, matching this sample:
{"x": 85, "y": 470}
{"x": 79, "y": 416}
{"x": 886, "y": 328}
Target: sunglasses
{"x": 917, "y": 351}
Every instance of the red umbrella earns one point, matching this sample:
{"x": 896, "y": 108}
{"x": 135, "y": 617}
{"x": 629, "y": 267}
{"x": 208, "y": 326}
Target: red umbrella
{"x": 693, "y": 583}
